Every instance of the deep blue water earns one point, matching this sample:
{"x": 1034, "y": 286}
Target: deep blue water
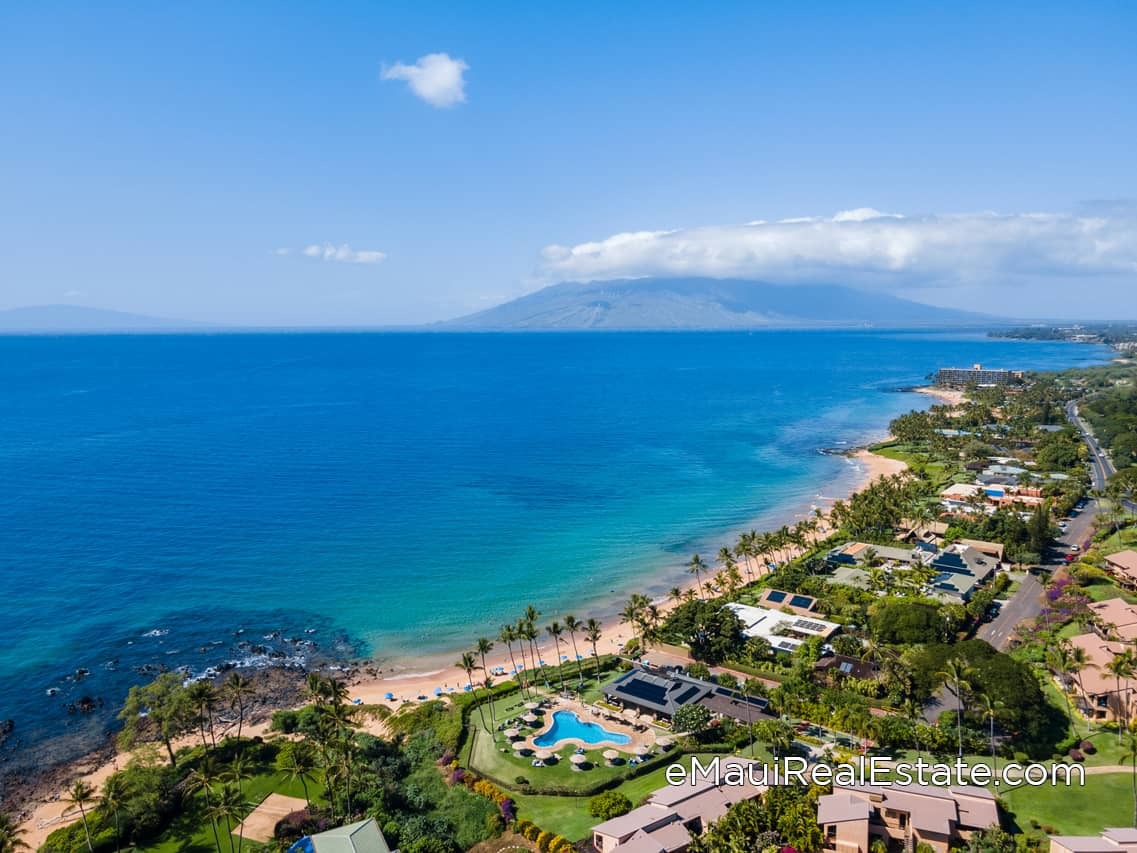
{"x": 394, "y": 494}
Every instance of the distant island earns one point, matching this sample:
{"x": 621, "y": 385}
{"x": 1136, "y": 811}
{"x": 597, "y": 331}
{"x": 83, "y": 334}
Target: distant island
{"x": 652, "y": 304}
{"x": 77, "y": 319}
{"x": 707, "y": 303}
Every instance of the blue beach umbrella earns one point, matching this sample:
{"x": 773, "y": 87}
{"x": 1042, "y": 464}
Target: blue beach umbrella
{"x": 437, "y": 691}
{"x": 389, "y": 696}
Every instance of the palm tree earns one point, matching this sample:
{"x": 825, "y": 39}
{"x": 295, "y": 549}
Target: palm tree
{"x": 468, "y": 663}
{"x": 202, "y": 779}
{"x": 81, "y": 794}
{"x": 314, "y": 688}
{"x": 1058, "y": 660}
{"x": 956, "y": 673}
{"x": 555, "y": 630}
{"x": 228, "y": 807}
{"x": 485, "y": 646}
{"x": 1079, "y": 660}
{"x": 507, "y": 635}
{"x": 592, "y": 634}
{"x": 1122, "y": 667}
{"x": 237, "y": 773}
{"x": 521, "y": 634}
{"x": 532, "y": 614}
{"x": 676, "y": 596}
{"x": 111, "y": 801}
{"x": 572, "y": 625}
{"x": 989, "y": 709}
{"x": 10, "y": 840}
{"x": 238, "y": 689}
{"x": 1130, "y": 755}
{"x": 750, "y": 687}
{"x": 633, "y": 612}
{"x": 203, "y": 695}
{"x": 696, "y": 568}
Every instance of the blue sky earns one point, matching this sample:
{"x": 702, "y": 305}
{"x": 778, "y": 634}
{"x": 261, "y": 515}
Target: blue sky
{"x": 161, "y": 158}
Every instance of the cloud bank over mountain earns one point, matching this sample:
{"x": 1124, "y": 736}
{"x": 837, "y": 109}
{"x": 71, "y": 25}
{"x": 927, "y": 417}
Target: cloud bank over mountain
{"x": 868, "y": 248}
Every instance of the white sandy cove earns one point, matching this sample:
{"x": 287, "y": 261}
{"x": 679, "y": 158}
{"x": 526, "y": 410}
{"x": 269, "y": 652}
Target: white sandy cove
{"x": 50, "y": 815}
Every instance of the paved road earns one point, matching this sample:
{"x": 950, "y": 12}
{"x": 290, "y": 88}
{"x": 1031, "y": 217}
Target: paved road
{"x": 1101, "y": 467}
{"x": 1026, "y": 603}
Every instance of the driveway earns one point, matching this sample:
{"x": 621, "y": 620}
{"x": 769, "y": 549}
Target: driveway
{"x": 1026, "y": 603}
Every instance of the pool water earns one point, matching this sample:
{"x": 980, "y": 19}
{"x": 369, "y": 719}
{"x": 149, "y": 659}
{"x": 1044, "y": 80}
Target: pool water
{"x": 567, "y": 725}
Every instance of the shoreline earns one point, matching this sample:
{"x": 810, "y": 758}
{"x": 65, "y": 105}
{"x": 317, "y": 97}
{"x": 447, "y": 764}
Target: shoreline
{"x": 42, "y": 810}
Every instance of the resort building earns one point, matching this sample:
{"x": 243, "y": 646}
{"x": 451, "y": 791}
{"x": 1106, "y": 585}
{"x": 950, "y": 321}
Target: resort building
{"x": 1112, "y": 840}
{"x": 791, "y": 601}
{"x": 1115, "y": 619}
{"x": 361, "y": 837}
{"x": 958, "y": 568}
{"x": 903, "y": 816}
{"x": 839, "y": 667}
{"x": 661, "y": 693}
{"x": 783, "y": 631}
{"x": 1102, "y": 697}
{"x": 1122, "y": 566}
{"x": 674, "y": 815}
{"x": 977, "y": 374}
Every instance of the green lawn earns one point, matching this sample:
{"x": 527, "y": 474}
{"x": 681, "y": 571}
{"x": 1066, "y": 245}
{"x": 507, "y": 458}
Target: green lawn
{"x": 191, "y": 832}
{"x": 569, "y": 816}
{"x": 1106, "y": 800}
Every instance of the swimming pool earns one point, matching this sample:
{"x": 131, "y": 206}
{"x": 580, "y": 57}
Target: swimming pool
{"x": 568, "y": 726}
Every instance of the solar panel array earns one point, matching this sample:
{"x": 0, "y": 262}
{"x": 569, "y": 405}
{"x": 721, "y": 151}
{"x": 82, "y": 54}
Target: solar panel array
{"x": 776, "y": 596}
{"x": 802, "y": 601}
{"x": 808, "y": 625}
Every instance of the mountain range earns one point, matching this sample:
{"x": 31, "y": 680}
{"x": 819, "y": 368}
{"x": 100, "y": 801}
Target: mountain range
{"x": 638, "y": 304}
{"x": 705, "y": 303}
{"x": 80, "y": 319}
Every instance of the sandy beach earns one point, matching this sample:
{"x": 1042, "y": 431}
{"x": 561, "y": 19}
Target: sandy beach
{"x": 946, "y": 396}
{"x": 42, "y": 817}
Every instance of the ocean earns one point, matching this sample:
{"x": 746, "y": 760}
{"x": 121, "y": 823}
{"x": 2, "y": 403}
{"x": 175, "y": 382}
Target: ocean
{"x": 192, "y": 500}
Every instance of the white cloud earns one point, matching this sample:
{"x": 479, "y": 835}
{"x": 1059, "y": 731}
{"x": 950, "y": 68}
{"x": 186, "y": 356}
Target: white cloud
{"x": 436, "y": 78}
{"x": 342, "y": 253}
{"x": 866, "y": 247}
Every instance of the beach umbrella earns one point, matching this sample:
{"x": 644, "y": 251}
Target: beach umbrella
{"x": 647, "y": 718}
{"x": 631, "y": 714}
{"x": 451, "y": 689}
{"x": 564, "y": 657}
{"x": 530, "y": 718}
{"x": 520, "y": 745}
{"x": 532, "y": 706}
{"x": 437, "y": 691}
{"x": 611, "y": 755}
{"x": 467, "y": 688}
{"x": 643, "y": 749}
{"x": 389, "y": 696}
{"x": 512, "y": 733}
{"x": 663, "y": 742}
{"x": 545, "y": 755}
{"x": 578, "y": 759}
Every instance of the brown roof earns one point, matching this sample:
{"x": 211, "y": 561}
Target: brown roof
{"x": 1124, "y": 562}
{"x": 1119, "y": 615}
{"x": 839, "y": 808}
{"x": 1099, "y": 652}
{"x": 646, "y": 817}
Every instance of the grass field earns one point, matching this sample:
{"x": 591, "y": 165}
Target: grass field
{"x": 1106, "y": 800}
{"x": 191, "y": 833}
{"x": 569, "y": 816}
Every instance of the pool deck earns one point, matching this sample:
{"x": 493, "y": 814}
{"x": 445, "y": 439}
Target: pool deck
{"x": 591, "y": 714}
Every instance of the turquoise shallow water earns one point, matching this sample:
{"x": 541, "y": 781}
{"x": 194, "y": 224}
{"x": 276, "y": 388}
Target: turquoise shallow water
{"x": 567, "y": 725}
{"x": 187, "y": 500}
